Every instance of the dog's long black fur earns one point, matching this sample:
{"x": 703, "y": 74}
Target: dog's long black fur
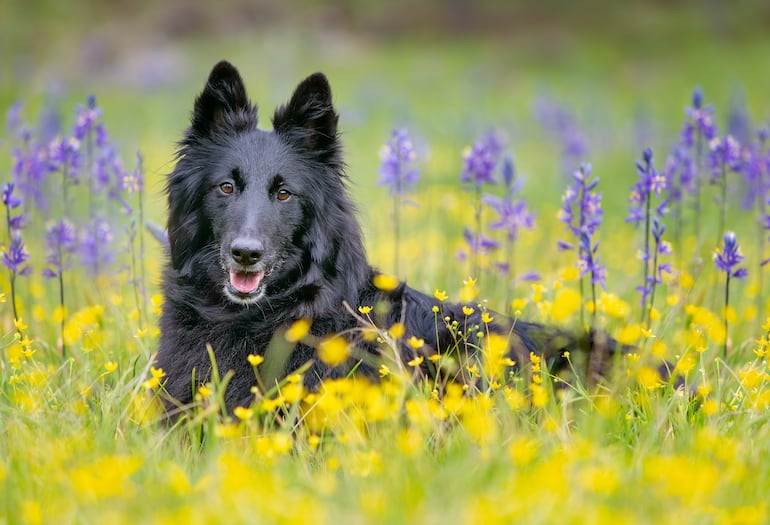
{"x": 262, "y": 232}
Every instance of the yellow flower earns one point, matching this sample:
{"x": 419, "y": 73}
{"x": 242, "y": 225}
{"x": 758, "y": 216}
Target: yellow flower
{"x": 19, "y": 323}
{"x": 397, "y": 330}
{"x": 486, "y": 318}
{"x": 440, "y": 295}
{"x": 157, "y": 303}
{"x": 255, "y": 360}
{"x": 385, "y": 282}
{"x": 59, "y": 314}
{"x": 518, "y": 304}
{"x": 565, "y": 303}
{"x": 157, "y": 374}
{"x": 333, "y": 350}
{"x": 417, "y": 361}
{"x": 648, "y": 377}
{"x": 297, "y": 330}
{"x": 243, "y": 413}
{"x": 204, "y": 391}
{"x": 384, "y": 370}
{"x": 110, "y": 366}
{"x": 365, "y": 310}
{"x": 416, "y": 343}
{"x": 467, "y": 310}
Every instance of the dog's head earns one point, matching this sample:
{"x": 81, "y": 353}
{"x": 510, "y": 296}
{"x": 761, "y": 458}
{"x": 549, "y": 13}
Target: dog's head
{"x": 262, "y": 211}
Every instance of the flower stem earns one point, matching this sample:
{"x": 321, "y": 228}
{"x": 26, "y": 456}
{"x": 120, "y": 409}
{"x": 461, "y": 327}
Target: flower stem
{"x": 727, "y": 303}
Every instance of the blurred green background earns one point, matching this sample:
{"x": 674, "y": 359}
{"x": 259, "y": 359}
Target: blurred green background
{"x": 448, "y": 71}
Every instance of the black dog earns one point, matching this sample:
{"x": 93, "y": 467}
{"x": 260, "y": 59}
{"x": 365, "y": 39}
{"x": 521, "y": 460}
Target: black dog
{"x": 262, "y": 233}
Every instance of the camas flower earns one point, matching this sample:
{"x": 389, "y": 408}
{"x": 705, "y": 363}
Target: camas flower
{"x": 724, "y": 154}
{"x": 650, "y": 182}
{"x": 12, "y": 201}
{"x": 60, "y": 239}
{"x": 585, "y": 223}
{"x": 397, "y": 170}
{"x": 512, "y": 216}
{"x": 15, "y": 255}
{"x": 729, "y": 256}
{"x": 481, "y": 160}
{"x": 96, "y": 246}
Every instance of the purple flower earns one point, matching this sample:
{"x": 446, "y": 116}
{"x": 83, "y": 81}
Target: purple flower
{"x": 650, "y": 182}
{"x": 480, "y": 243}
{"x": 481, "y": 160}
{"x": 700, "y": 121}
{"x": 95, "y": 246}
{"x": 562, "y": 124}
{"x": 589, "y": 260}
{"x": 85, "y": 119}
{"x": 397, "y": 170}
{"x": 724, "y": 154}
{"x": 512, "y": 216}
{"x": 60, "y": 240}
{"x": 15, "y": 255}
{"x": 16, "y": 221}
{"x": 588, "y": 203}
{"x": 585, "y": 223}
{"x": 9, "y": 199}
{"x": 728, "y": 256}
{"x": 65, "y": 154}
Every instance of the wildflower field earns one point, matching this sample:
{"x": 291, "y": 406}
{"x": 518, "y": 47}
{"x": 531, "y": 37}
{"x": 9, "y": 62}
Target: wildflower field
{"x": 589, "y": 184}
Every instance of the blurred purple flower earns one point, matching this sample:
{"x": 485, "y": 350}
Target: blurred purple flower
{"x": 724, "y": 154}
{"x": 64, "y": 154}
{"x": 397, "y": 170}
{"x": 512, "y": 216}
{"x": 16, "y": 221}
{"x": 95, "y": 246}
{"x": 480, "y": 243}
{"x": 60, "y": 240}
{"x": 562, "y": 124}
{"x": 85, "y": 119}
{"x": 15, "y": 255}
{"x": 728, "y": 256}
{"x": 700, "y": 121}
{"x": 481, "y": 160}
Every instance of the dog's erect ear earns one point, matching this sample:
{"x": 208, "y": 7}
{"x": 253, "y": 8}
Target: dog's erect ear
{"x": 223, "y": 104}
{"x": 309, "y": 120}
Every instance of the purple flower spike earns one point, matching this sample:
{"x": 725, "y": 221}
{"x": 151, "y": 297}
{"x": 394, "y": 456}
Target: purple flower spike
{"x": 397, "y": 170}
{"x": 15, "y": 255}
{"x": 60, "y": 239}
{"x": 481, "y": 160}
{"x": 728, "y": 256}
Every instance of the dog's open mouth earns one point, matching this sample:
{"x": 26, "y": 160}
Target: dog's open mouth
{"x": 246, "y": 282}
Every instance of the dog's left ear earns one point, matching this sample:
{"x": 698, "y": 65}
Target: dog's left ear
{"x": 309, "y": 121}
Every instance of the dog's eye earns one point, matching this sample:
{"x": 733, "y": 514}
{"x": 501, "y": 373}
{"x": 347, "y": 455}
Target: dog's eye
{"x": 226, "y": 188}
{"x": 282, "y": 195}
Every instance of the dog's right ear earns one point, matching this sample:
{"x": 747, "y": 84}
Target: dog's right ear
{"x": 223, "y": 105}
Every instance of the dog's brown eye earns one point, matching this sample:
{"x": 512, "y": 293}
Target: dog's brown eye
{"x": 282, "y": 195}
{"x": 226, "y": 188}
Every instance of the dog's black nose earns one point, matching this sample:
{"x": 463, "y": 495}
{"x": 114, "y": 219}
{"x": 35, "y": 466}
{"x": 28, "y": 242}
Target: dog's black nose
{"x": 246, "y": 251}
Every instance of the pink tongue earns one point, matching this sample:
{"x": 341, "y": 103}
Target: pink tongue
{"x": 246, "y": 282}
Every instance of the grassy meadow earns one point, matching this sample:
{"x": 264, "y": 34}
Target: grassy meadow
{"x": 81, "y": 440}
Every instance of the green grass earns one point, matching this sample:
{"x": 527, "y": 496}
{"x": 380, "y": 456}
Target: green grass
{"x": 80, "y": 440}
